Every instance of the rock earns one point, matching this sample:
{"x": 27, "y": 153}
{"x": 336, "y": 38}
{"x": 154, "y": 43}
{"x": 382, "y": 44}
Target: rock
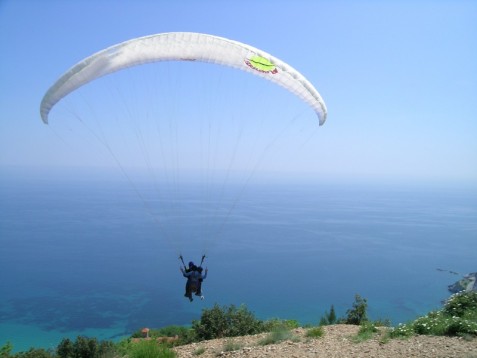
{"x": 467, "y": 283}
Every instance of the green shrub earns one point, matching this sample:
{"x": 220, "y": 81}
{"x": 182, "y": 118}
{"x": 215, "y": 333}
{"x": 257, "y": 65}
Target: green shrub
{"x": 277, "y": 323}
{"x": 315, "y": 332}
{"x": 231, "y": 346}
{"x": 434, "y": 323}
{"x": 276, "y": 336}
{"x": 366, "y": 331}
{"x": 367, "y": 327}
{"x": 213, "y": 324}
{"x": 230, "y": 321}
{"x": 461, "y": 304}
{"x": 401, "y": 331}
{"x": 461, "y": 327}
{"x": 199, "y": 351}
{"x": 442, "y": 323}
{"x": 149, "y": 349}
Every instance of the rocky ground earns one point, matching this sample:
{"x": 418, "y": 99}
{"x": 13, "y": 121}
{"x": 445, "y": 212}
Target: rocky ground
{"x": 337, "y": 341}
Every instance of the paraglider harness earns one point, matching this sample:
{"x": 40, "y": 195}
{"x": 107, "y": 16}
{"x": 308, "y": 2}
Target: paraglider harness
{"x": 194, "y": 268}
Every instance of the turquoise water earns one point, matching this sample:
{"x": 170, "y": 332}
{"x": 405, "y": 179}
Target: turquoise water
{"x": 85, "y": 258}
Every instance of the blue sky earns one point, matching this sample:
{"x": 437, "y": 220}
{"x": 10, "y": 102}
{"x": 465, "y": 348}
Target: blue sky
{"x": 399, "y": 77}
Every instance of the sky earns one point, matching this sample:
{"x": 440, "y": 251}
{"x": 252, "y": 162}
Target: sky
{"x": 399, "y": 78}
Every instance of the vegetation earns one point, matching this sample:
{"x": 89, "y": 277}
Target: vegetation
{"x": 458, "y": 317}
{"x": 277, "y": 335}
{"x": 185, "y": 335}
{"x": 367, "y": 330}
{"x": 231, "y": 346}
{"x": 199, "y": 351}
{"x": 149, "y": 349}
{"x": 84, "y": 347}
{"x": 329, "y": 317}
{"x": 228, "y": 321}
{"x": 357, "y": 314}
{"x": 274, "y": 324}
{"x": 315, "y": 332}
{"x": 31, "y": 353}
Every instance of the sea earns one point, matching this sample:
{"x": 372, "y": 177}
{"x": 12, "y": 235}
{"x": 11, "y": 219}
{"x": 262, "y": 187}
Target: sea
{"x": 84, "y": 257}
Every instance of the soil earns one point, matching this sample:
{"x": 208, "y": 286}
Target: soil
{"x": 337, "y": 341}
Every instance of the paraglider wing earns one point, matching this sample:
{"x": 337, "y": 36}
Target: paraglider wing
{"x": 183, "y": 46}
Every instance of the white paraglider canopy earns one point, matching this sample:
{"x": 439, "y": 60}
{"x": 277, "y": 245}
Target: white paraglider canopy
{"x": 184, "y": 46}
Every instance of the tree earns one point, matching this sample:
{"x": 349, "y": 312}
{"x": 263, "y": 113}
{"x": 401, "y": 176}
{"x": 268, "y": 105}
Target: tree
{"x": 65, "y": 348}
{"x": 329, "y": 317}
{"x": 83, "y": 347}
{"x": 357, "y": 313}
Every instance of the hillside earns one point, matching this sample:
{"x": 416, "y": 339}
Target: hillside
{"x": 337, "y": 341}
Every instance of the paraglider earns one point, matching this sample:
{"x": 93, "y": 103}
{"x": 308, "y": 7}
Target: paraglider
{"x": 178, "y": 47}
{"x": 184, "y": 46}
{"x": 194, "y": 277}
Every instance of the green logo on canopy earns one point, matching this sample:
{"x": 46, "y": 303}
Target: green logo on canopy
{"x": 261, "y": 64}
